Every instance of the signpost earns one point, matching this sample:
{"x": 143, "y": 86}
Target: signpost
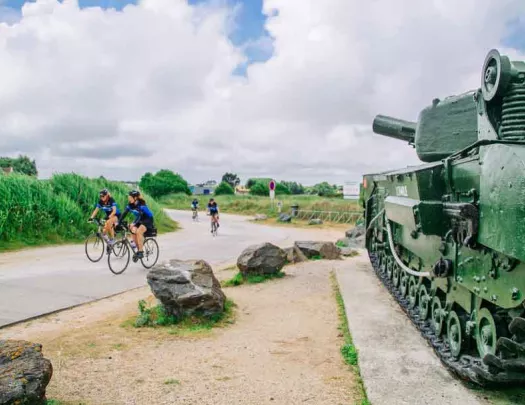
{"x": 272, "y": 189}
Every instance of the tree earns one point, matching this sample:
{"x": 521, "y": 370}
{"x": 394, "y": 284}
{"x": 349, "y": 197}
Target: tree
{"x": 295, "y": 188}
{"x": 252, "y": 181}
{"x": 232, "y": 179}
{"x": 224, "y": 188}
{"x": 164, "y": 182}
{"x": 262, "y": 188}
{"x": 21, "y": 165}
{"x": 324, "y": 189}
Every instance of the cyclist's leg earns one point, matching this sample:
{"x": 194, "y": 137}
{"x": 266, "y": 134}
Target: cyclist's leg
{"x": 133, "y": 230}
{"x": 110, "y": 223}
{"x": 140, "y": 238}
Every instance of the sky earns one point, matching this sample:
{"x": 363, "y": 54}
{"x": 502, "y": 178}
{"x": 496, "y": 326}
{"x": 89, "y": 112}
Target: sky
{"x": 275, "y": 88}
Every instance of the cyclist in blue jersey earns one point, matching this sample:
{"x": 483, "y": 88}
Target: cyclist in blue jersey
{"x": 213, "y": 211}
{"x": 107, "y": 204}
{"x": 143, "y": 220}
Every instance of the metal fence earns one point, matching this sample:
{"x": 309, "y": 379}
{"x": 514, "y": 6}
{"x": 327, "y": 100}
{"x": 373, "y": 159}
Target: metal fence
{"x": 343, "y": 217}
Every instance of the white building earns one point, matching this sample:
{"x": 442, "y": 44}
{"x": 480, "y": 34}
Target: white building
{"x": 351, "y": 190}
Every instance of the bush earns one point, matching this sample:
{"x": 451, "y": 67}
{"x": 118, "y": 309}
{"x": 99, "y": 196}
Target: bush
{"x": 164, "y": 182}
{"x": 48, "y": 211}
{"x": 224, "y": 189}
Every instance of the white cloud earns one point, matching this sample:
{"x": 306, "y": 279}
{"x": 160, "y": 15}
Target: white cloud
{"x": 153, "y": 83}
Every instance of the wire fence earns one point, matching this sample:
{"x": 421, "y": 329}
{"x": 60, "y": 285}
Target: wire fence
{"x": 342, "y": 217}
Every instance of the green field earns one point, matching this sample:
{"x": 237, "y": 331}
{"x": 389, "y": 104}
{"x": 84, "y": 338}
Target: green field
{"x": 251, "y": 205}
{"x": 38, "y": 212}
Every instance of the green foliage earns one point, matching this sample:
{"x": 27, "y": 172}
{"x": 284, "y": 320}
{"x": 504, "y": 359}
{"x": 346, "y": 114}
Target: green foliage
{"x": 20, "y": 165}
{"x": 224, "y": 189}
{"x": 164, "y": 182}
{"x": 158, "y": 316}
{"x": 232, "y": 179}
{"x": 340, "y": 243}
{"x": 295, "y": 188}
{"x": 259, "y": 188}
{"x": 250, "y": 183}
{"x": 325, "y": 190}
{"x": 240, "y": 279}
{"x": 35, "y": 212}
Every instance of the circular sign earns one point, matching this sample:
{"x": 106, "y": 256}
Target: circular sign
{"x": 272, "y": 185}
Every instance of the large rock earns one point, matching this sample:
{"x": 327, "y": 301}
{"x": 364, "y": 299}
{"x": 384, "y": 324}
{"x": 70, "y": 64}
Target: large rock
{"x": 326, "y": 250}
{"x": 24, "y": 373}
{"x": 348, "y": 252}
{"x": 265, "y": 258}
{"x": 260, "y": 217}
{"x": 294, "y": 255}
{"x": 284, "y": 218}
{"x": 315, "y": 221}
{"x": 187, "y": 287}
{"x": 356, "y": 236}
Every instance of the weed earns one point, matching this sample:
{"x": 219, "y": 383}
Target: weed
{"x": 348, "y": 350}
{"x": 239, "y": 279}
{"x": 158, "y": 316}
{"x": 316, "y": 257}
{"x": 172, "y": 381}
{"x": 340, "y": 243}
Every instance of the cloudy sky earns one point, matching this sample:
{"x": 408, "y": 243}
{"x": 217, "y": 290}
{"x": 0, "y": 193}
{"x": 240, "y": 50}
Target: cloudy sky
{"x": 281, "y": 88}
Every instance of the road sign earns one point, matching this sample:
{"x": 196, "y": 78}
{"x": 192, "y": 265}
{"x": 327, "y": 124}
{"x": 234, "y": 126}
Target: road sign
{"x": 272, "y": 185}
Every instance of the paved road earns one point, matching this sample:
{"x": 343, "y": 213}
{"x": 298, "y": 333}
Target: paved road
{"x": 39, "y": 281}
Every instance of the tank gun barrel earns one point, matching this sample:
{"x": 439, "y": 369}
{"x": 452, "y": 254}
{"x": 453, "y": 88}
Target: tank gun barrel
{"x": 394, "y": 128}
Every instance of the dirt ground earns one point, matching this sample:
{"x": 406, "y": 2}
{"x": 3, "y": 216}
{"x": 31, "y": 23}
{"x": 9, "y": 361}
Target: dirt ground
{"x": 282, "y": 348}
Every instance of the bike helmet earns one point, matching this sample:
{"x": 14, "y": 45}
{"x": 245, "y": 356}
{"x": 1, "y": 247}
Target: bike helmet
{"x": 134, "y": 193}
{"x": 104, "y": 192}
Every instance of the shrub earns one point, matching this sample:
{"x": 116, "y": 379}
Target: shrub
{"x": 224, "y": 189}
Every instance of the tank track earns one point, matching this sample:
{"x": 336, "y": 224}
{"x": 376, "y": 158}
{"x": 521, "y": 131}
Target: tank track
{"x": 505, "y": 370}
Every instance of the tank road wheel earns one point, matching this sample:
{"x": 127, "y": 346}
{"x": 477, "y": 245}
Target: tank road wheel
{"x": 436, "y": 313}
{"x": 396, "y": 276}
{"x": 456, "y": 336}
{"x": 412, "y": 292}
{"x": 486, "y": 333}
{"x": 390, "y": 270}
{"x": 423, "y": 302}
{"x": 404, "y": 284}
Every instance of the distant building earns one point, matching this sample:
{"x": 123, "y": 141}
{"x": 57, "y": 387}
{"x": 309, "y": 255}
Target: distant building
{"x": 241, "y": 190}
{"x": 207, "y": 188}
{"x": 7, "y": 170}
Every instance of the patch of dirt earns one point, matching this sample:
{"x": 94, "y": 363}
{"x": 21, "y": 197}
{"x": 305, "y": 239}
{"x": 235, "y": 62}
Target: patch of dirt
{"x": 283, "y": 348}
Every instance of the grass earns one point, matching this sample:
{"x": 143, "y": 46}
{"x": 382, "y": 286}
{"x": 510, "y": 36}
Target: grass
{"x": 348, "y": 350}
{"x": 157, "y": 316}
{"x": 172, "y": 381}
{"x": 251, "y": 205}
{"x": 55, "y": 211}
{"x": 57, "y": 402}
{"x": 240, "y": 279}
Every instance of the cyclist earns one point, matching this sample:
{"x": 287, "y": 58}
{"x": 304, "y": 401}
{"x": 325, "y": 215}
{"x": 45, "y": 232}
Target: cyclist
{"x": 143, "y": 220}
{"x": 107, "y": 204}
{"x": 213, "y": 210}
{"x": 195, "y": 207}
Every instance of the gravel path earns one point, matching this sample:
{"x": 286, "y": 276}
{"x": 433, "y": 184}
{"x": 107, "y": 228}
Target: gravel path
{"x": 282, "y": 349}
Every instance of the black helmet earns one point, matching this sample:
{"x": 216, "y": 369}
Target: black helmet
{"x": 134, "y": 193}
{"x": 104, "y": 192}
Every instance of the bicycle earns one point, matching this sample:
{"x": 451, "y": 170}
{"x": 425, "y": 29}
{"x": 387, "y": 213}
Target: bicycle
{"x": 99, "y": 241}
{"x": 213, "y": 226}
{"x": 121, "y": 251}
{"x": 195, "y": 215}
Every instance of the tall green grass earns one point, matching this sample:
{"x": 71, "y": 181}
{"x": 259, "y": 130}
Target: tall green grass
{"x": 36, "y": 212}
{"x": 251, "y": 205}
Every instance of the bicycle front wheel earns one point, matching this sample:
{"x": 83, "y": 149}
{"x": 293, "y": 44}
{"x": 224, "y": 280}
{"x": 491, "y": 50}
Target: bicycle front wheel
{"x": 151, "y": 253}
{"x": 94, "y": 247}
{"x": 118, "y": 258}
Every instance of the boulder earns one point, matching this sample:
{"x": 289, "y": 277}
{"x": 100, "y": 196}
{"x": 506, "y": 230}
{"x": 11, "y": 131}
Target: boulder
{"x": 348, "y": 252}
{"x": 187, "y": 287}
{"x": 24, "y": 373}
{"x": 265, "y": 258}
{"x": 356, "y": 236}
{"x": 294, "y": 255}
{"x": 315, "y": 221}
{"x": 326, "y": 250}
{"x": 260, "y": 217}
{"x": 285, "y": 218}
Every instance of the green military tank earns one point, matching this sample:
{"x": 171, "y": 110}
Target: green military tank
{"x": 447, "y": 237}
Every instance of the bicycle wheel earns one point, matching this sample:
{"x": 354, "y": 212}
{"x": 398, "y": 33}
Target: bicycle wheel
{"x": 118, "y": 259}
{"x": 94, "y": 247}
{"x": 151, "y": 253}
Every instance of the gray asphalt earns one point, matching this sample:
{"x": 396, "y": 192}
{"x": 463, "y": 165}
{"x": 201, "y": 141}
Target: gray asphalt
{"x": 397, "y": 365}
{"x": 39, "y": 281}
